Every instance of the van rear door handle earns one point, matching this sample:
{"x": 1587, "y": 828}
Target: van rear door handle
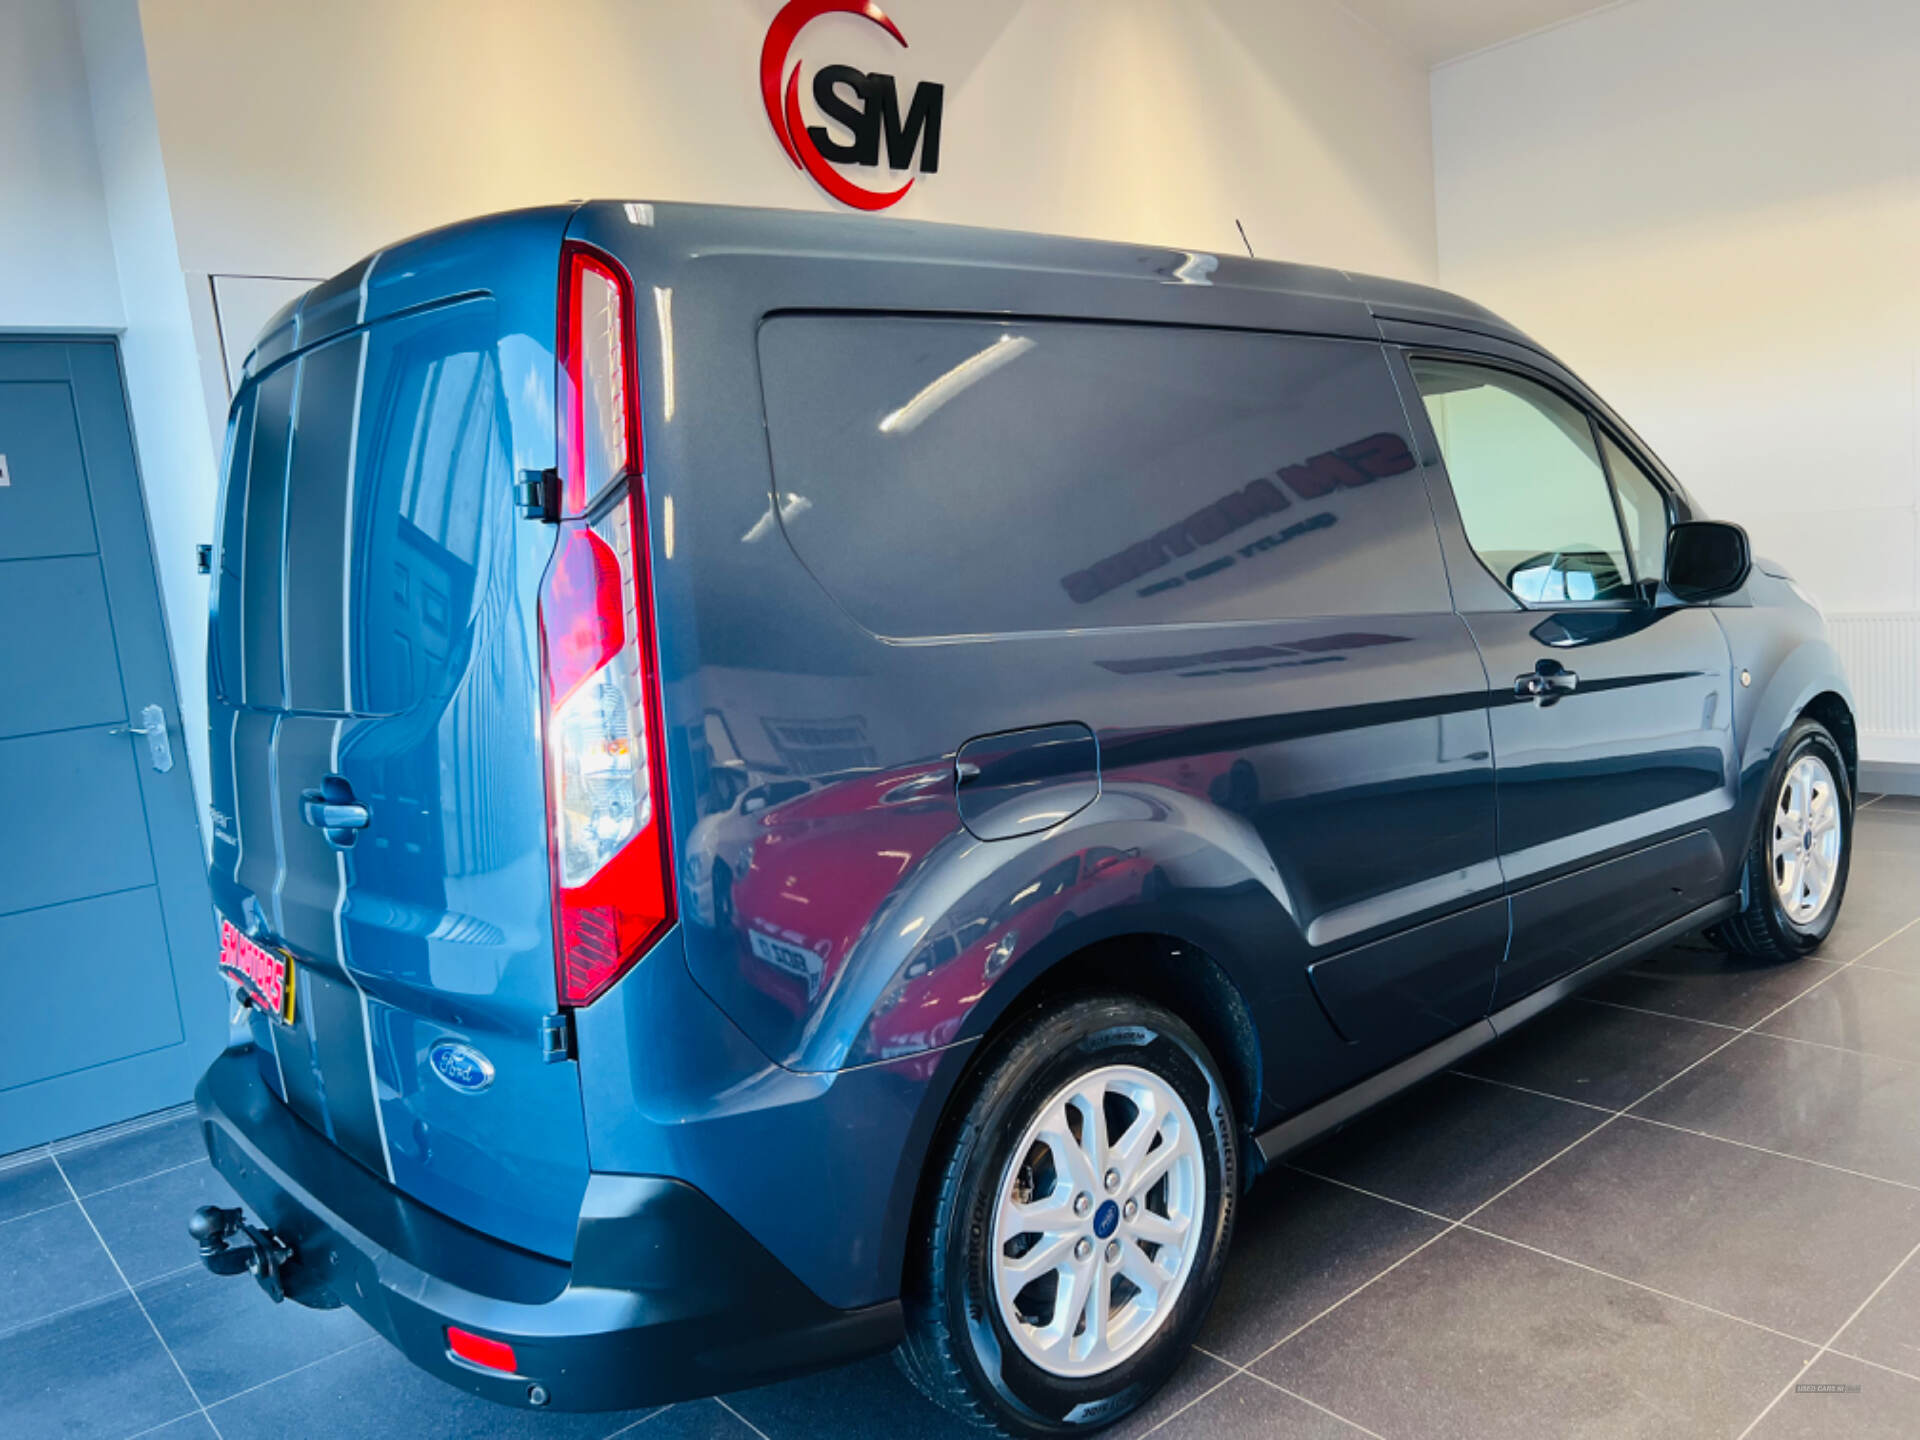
{"x": 333, "y": 809}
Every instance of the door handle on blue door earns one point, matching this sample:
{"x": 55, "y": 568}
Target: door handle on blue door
{"x": 1547, "y": 682}
{"x": 333, "y": 809}
{"x": 153, "y": 725}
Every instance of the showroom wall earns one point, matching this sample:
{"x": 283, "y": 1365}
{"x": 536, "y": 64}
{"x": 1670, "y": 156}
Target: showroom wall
{"x": 1711, "y": 210}
{"x": 296, "y": 143}
{"x": 56, "y": 258}
{"x": 86, "y": 245}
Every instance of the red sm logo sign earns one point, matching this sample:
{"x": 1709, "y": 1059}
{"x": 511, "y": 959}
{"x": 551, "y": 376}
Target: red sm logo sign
{"x": 864, "y": 104}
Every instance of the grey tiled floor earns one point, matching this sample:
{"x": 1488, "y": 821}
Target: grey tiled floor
{"x": 1658, "y": 1211}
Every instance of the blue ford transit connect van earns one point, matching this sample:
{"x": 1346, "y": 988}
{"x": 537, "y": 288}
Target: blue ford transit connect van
{"x": 788, "y": 787}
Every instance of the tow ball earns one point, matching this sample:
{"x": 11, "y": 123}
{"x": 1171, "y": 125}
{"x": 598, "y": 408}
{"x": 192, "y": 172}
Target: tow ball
{"x": 229, "y": 1245}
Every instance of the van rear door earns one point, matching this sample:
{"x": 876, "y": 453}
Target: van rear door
{"x": 375, "y": 648}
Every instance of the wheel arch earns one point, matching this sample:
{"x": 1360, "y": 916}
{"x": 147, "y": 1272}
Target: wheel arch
{"x": 1830, "y": 708}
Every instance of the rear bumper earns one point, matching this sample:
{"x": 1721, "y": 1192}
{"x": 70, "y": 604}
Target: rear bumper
{"x": 667, "y": 1297}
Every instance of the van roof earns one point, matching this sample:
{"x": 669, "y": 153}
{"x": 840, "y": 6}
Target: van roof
{"x": 391, "y": 278}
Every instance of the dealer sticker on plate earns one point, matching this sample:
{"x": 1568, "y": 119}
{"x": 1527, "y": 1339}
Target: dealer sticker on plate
{"x": 267, "y": 977}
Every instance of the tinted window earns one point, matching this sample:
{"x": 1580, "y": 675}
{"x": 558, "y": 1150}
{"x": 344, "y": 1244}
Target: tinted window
{"x": 1643, "y": 508}
{"x": 968, "y": 477}
{"x": 361, "y": 477}
{"x": 1528, "y": 481}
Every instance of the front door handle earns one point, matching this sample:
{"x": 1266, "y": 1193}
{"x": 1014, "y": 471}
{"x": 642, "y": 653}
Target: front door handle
{"x": 1546, "y": 683}
{"x": 333, "y": 809}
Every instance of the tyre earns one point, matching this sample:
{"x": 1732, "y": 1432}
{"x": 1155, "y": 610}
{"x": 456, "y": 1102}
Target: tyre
{"x": 1075, "y": 1221}
{"x": 1796, "y": 867}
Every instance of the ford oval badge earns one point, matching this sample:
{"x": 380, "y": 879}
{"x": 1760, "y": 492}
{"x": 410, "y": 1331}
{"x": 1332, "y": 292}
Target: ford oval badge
{"x": 461, "y": 1066}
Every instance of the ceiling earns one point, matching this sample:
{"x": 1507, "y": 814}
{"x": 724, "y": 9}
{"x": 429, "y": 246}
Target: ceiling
{"x": 1433, "y": 31}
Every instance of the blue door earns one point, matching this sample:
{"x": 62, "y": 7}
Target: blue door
{"x": 109, "y": 1001}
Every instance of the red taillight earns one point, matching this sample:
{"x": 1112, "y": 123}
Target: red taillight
{"x": 479, "y": 1350}
{"x": 600, "y": 409}
{"x": 606, "y": 776}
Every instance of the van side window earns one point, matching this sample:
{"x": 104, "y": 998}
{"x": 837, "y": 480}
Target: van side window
{"x": 969, "y": 477}
{"x": 1643, "y": 509}
{"x": 1527, "y": 477}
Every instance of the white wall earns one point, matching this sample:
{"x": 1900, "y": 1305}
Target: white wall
{"x": 165, "y": 398}
{"x": 1711, "y": 210}
{"x": 298, "y": 139}
{"x": 56, "y": 261}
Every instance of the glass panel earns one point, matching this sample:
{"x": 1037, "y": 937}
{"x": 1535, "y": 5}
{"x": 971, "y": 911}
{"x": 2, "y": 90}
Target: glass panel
{"x": 972, "y": 477}
{"x": 1528, "y": 481}
{"x": 1643, "y": 506}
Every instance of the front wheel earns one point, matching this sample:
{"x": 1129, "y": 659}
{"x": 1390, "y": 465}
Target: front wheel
{"x": 1078, "y": 1222}
{"x": 1796, "y": 867}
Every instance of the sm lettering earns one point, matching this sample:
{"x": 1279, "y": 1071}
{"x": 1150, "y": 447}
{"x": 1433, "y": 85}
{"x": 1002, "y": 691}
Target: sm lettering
{"x": 867, "y": 106}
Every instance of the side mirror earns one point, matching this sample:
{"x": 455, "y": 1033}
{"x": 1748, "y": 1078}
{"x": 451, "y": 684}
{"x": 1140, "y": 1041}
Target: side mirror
{"x": 1707, "y": 559}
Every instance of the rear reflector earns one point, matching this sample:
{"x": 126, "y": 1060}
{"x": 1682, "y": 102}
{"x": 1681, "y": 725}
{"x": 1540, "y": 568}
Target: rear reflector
{"x": 606, "y": 777}
{"x": 479, "y": 1350}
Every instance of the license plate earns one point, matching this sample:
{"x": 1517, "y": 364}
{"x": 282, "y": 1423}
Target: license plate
{"x": 267, "y": 977}
{"x": 802, "y": 964}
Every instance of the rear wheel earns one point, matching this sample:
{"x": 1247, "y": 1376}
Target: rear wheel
{"x": 1077, "y": 1225}
{"x": 1796, "y": 867}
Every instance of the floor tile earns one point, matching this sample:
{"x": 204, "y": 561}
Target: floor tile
{"x": 1595, "y": 1053}
{"x": 372, "y": 1392}
{"x": 228, "y": 1336}
{"x": 1768, "y": 1239}
{"x": 695, "y": 1420}
{"x": 51, "y": 1261}
{"x": 188, "y": 1427}
{"x": 97, "y": 1371}
{"x": 1891, "y": 809}
{"x": 134, "y": 1155}
{"x": 1840, "y": 1107}
{"x": 1888, "y": 1330}
{"x": 1901, "y": 953}
{"x": 1247, "y": 1408}
{"x": 1868, "y": 1404}
{"x": 1198, "y": 1374}
{"x": 145, "y": 1223}
{"x": 1698, "y": 982}
{"x": 1881, "y": 896}
{"x": 1450, "y": 1144}
{"x": 1473, "y": 1339}
{"x": 1870, "y": 1010}
{"x": 30, "y": 1185}
{"x": 871, "y": 1398}
{"x": 1300, "y": 1244}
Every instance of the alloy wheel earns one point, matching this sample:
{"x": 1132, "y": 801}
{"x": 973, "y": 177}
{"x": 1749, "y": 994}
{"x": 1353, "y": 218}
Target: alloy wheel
{"x": 1098, "y": 1221}
{"x": 1806, "y": 839}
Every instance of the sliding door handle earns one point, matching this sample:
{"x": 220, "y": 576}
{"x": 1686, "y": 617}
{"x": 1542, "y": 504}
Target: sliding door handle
{"x": 1547, "y": 682}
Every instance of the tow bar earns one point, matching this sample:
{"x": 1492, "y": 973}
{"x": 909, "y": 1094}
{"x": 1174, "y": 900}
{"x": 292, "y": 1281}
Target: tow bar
{"x": 261, "y": 1254}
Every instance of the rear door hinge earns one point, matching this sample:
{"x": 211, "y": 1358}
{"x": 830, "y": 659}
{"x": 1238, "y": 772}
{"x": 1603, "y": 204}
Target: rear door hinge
{"x": 537, "y": 495}
{"x": 556, "y": 1037}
